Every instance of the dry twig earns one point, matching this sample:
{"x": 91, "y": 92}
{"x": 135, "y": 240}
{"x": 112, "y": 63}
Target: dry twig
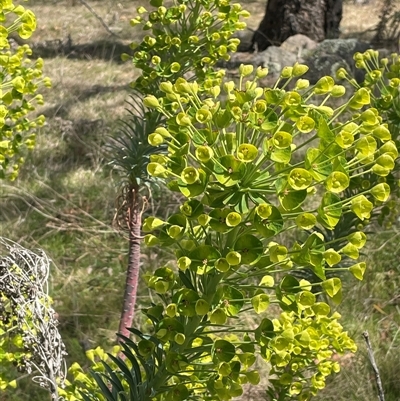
{"x": 374, "y": 366}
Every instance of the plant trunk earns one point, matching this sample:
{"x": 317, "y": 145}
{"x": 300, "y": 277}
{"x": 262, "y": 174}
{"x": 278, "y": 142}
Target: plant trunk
{"x": 317, "y": 19}
{"x": 134, "y": 221}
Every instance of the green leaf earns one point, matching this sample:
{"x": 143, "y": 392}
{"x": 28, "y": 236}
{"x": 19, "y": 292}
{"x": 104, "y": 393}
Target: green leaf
{"x": 203, "y": 256}
{"x": 218, "y": 316}
{"x": 270, "y": 122}
{"x": 222, "y": 118}
{"x": 202, "y": 307}
{"x": 292, "y": 200}
{"x": 330, "y": 210}
{"x": 306, "y": 221}
{"x": 178, "y": 393}
{"x": 332, "y": 257}
{"x": 218, "y": 220}
{"x": 321, "y": 309}
{"x": 282, "y": 140}
{"x": 358, "y": 239}
{"x": 232, "y": 300}
{"x": 253, "y": 377}
{"x": 305, "y": 299}
{"x": 229, "y": 171}
{"x": 324, "y": 85}
{"x": 223, "y": 351}
{"x": 332, "y": 286}
{"x": 289, "y": 284}
{"x": 389, "y": 148}
{"x": 337, "y": 182}
{"x": 167, "y": 328}
{"x": 303, "y": 338}
{"x": 369, "y": 119}
{"x": 157, "y": 170}
{"x": 351, "y": 251}
{"x": 260, "y": 303}
{"x": 384, "y": 164}
{"x": 265, "y": 329}
{"x": 175, "y": 362}
{"x": 381, "y": 192}
{"x": 281, "y": 155}
{"x": 299, "y": 179}
{"x": 360, "y": 99}
{"x": 186, "y": 299}
{"x": 366, "y": 146}
{"x": 358, "y": 270}
{"x": 192, "y": 208}
{"x": 274, "y": 96}
{"x": 249, "y": 247}
{"x": 267, "y": 281}
{"x": 318, "y": 164}
{"x": 279, "y": 344}
{"x": 247, "y": 152}
{"x": 362, "y": 207}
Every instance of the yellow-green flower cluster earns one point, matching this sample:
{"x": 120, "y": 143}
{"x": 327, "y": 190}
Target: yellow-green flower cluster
{"x": 233, "y": 153}
{"x": 187, "y": 36}
{"x": 21, "y": 78}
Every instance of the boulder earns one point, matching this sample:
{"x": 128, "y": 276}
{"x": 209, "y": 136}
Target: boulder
{"x": 275, "y": 58}
{"x": 323, "y": 58}
{"x": 245, "y": 37}
{"x": 332, "y": 54}
{"x": 299, "y": 44}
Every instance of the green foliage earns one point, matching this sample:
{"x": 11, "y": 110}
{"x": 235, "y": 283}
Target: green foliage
{"x": 251, "y": 192}
{"x": 251, "y": 164}
{"x": 20, "y": 79}
{"x": 80, "y": 382}
{"x": 130, "y": 150}
{"x": 381, "y": 82}
{"x": 188, "y": 36}
{"x": 179, "y": 33}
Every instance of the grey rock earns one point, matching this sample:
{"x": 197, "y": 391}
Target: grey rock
{"x": 245, "y": 37}
{"x": 345, "y": 48}
{"x": 332, "y": 54}
{"x": 299, "y": 44}
{"x": 275, "y": 58}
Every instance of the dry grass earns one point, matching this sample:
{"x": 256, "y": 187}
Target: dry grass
{"x": 58, "y": 20}
{"x": 64, "y": 200}
{"x": 87, "y": 90}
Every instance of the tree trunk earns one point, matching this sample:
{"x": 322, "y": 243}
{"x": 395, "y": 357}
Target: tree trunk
{"x": 317, "y": 19}
{"x": 134, "y": 220}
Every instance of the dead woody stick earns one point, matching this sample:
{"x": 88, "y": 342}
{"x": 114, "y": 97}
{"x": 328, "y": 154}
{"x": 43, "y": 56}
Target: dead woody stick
{"x": 374, "y": 366}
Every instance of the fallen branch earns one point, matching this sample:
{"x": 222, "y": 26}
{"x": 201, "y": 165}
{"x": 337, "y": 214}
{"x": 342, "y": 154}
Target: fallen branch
{"x": 374, "y": 366}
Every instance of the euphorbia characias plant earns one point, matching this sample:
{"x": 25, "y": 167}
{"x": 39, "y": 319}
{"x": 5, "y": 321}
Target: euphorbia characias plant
{"x": 252, "y": 165}
{"x": 185, "y": 37}
{"x": 20, "y": 80}
{"x": 382, "y": 79}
